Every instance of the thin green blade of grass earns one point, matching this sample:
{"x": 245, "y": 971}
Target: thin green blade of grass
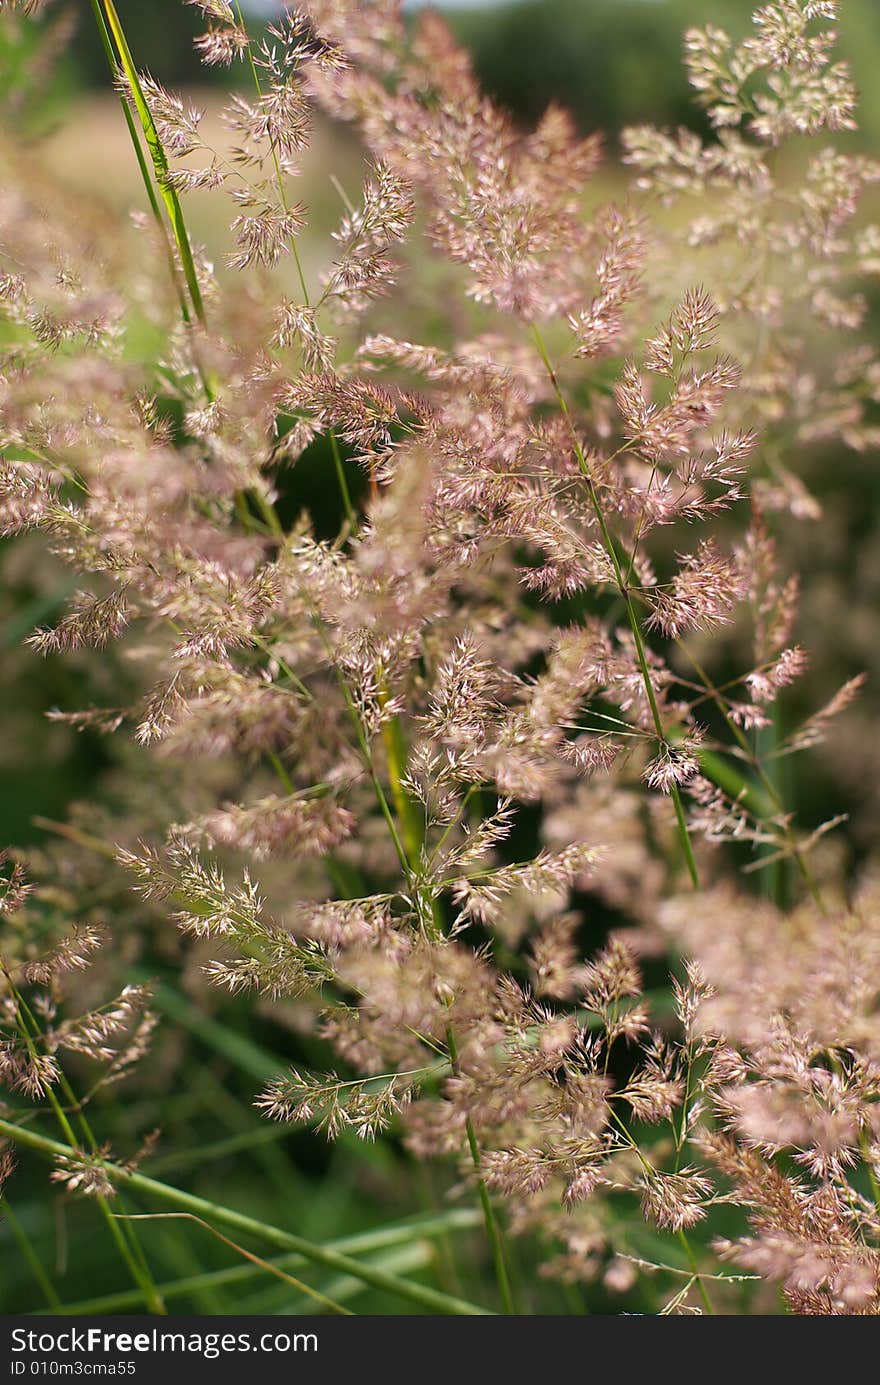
{"x": 312, "y": 1294}
{"x": 157, "y": 153}
{"x": 431, "y": 1299}
{"x": 406, "y": 1260}
{"x": 155, "y": 208}
{"x": 126, "y": 1241}
{"x": 388, "y": 1238}
{"x": 33, "y": 1260}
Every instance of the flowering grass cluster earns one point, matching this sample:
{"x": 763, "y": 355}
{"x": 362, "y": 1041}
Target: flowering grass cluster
{"x": 534, "y": 678}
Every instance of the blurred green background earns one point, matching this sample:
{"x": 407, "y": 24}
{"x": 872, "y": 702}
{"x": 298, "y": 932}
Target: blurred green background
{"x": 612, "y": 62}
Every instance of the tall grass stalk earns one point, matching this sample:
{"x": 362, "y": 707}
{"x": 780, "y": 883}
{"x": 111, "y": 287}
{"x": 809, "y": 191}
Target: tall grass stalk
{"x": 168, "y": 193}
{"x": 429, "y": 1299}
{"x": 631, "y": 614}
{"x": 125, "y": 1239}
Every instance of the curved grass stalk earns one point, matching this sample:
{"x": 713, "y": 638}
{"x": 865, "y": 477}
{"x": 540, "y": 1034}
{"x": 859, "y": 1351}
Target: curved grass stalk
{"x": 127, "y": 1245}
{"x": 22, "y": 1240}
{"x": 157, "y": 153}
{"x": 314, "y": 1294}
{"x": 350, "y": 513}
{"x": 155, "y": 209}
{"x": 431, "y": 1300}
{"x": 407, "y": 1255}
{"x": 769, "y": 788}
{"x": 493, "y": 1228}
{"x": 681, "y": 1235}
{"x": 396, "y": 752}
{"x": 279, "y": 176}
{"x": 623, "y": 588}
{"x": 412, "y": 828}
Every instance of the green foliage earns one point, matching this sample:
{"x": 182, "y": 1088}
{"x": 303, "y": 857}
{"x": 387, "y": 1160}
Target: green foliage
{"x": 617, "y": 62}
